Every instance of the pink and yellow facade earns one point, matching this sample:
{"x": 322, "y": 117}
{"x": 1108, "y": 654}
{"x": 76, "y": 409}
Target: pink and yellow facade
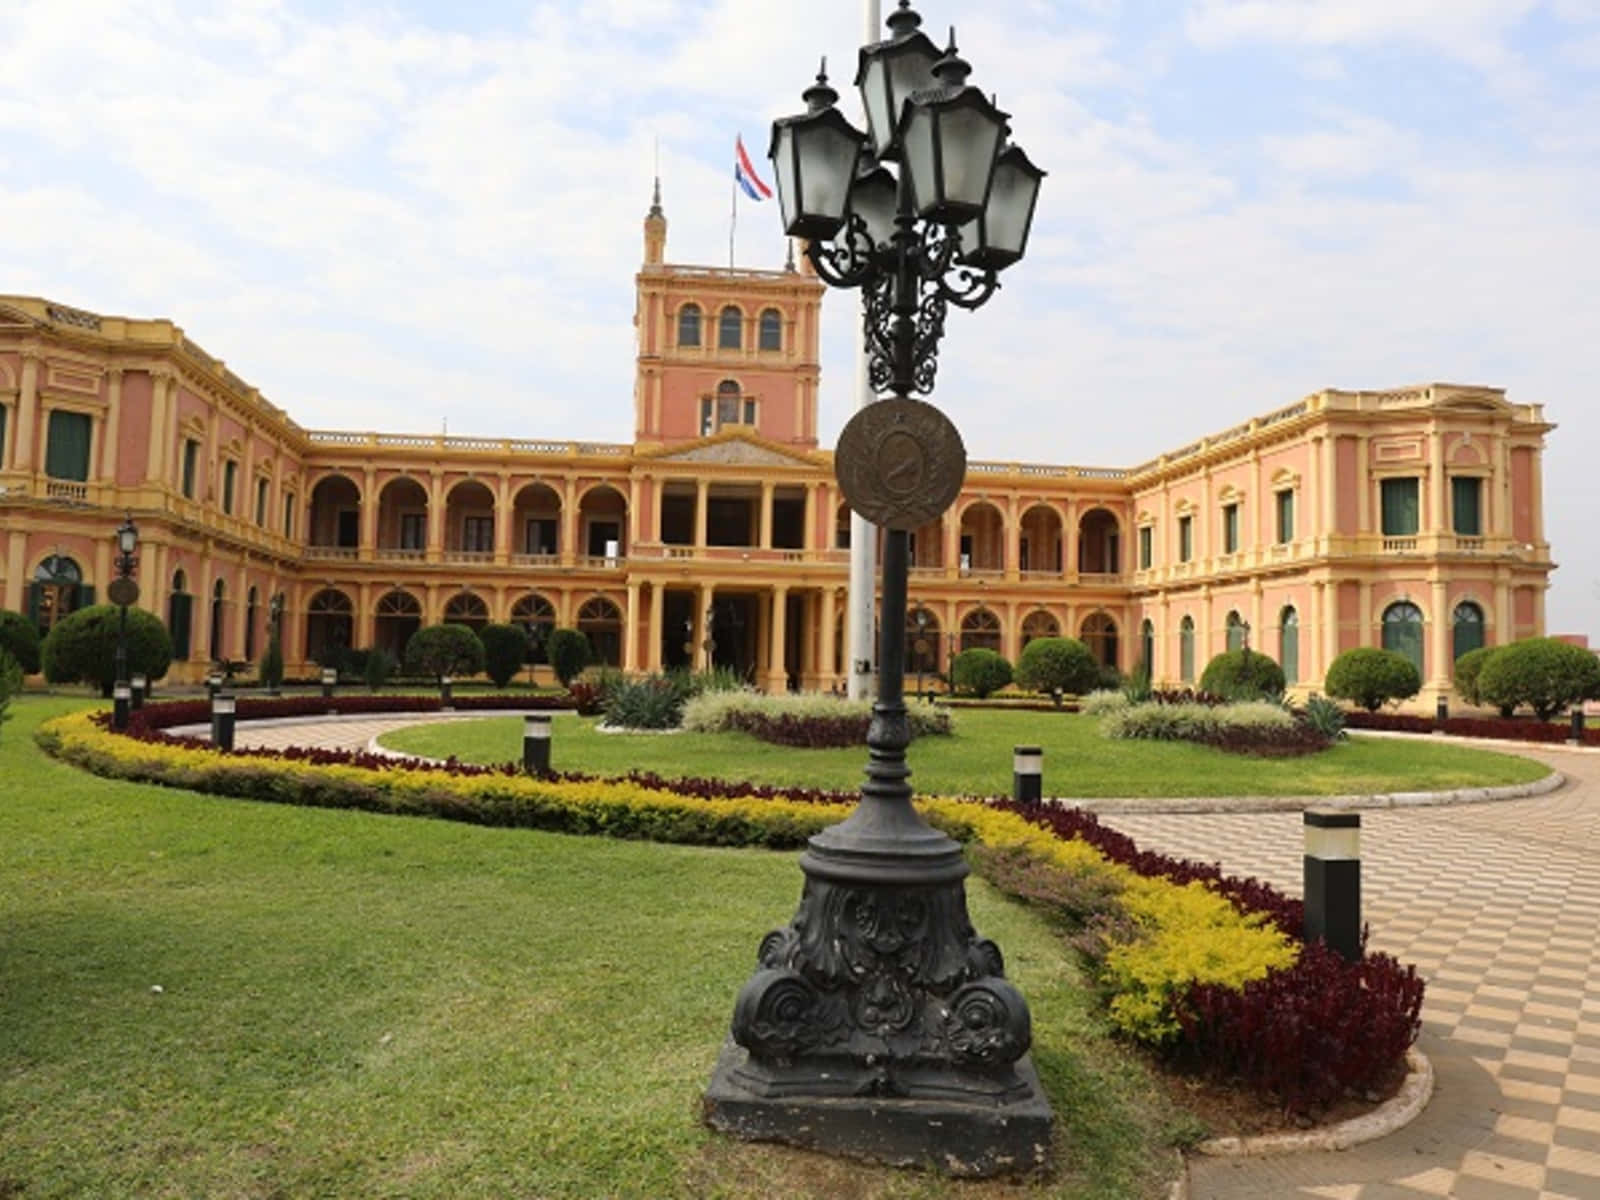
{"x": 1410, "y": 518}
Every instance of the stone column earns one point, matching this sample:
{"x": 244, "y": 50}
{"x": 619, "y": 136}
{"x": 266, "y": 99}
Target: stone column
{"x": 630, "y": 631}
{"x": 569, "y": 523}
{"x": 369, "y": 515}
{"x": 655, "y": 633}
{"x": 503, "y": 520}
{"x": 113, "y": 427}
{"x": 777, "y": 672}
{"x": 766, "y": 515}
{"x": 27, "y": 412}
{"x": 435, "y": 551}
{"x": 1440, "y": 664}
{"x": 1438, "y": 520}
{"x": 702, "y": 495}
{"x": 809, "y": 538}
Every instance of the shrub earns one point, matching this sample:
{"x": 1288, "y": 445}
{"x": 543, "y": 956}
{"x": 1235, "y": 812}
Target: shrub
{"x": 505, "y": 649}
{"x": 568, "y": 652}
{"x": 979, "y": 671}
{"x": 1326, "y": 717}
{"x": 10, "y": 682}
{"x": 1192, "y": 722}
{"x": 1109, "y": 678}
{"x": 1051, "y": 664}
{"x": 653, "y": 702}
{"x": 439, "y": 650}
{"x": 1467, "y": 669}
{"x": 379, "y": 666}
{"x": 20, "y": 637}
{"x": 1546, "y": 674}
{"x": 810, "y": 720}
{"x": 1242, "y": 675}
{"x": 1138, "y": 688}
{"x": 1097, "y": 704}
{"x": 1372, "y": 678}
{"x": 82, "y": 647}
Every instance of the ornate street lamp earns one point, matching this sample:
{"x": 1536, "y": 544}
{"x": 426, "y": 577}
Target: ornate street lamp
{"x": 878, "y": 1023}
{"x": 124, "y": 590}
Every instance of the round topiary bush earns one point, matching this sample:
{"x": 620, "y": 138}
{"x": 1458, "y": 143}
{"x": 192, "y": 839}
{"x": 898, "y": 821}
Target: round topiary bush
{"x": 980, "y": 671}
{"x": 1546, "y": 674}
{"x": 505, "y": 649}
{"x": 568, "y": 652}
{"x": 1372, "y": 678}
{"x": 82, "y": 647}
{"x": 1050, "y": 664}
{"x": 440, "y": 650}
{"x": 1242, "y": 675}
{"x": 1466, "y": 673}
{"x": 20, "y": 638}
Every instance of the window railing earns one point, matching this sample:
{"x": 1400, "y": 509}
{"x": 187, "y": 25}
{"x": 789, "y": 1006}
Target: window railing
{"x": 1399, "y": 545}
{"x": 603, "y": 562}
{"x": 469, "y": 556}
{"x": 400, "y": 554}
{"x": 536, "y": 560}
{"x": 66, "y": 489}
{"x": 344, "y": 553}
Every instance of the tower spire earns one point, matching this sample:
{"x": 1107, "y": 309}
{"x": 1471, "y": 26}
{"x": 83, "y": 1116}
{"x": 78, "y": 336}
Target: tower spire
{"x": 655, "y": 228}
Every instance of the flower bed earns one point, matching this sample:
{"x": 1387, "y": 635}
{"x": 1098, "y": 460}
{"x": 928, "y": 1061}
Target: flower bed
{"x": 1507, "y": 728}
{"x": 805, "y": 721}
{"x": 1242, "y": 727}
{"x": 1177, "y": 929}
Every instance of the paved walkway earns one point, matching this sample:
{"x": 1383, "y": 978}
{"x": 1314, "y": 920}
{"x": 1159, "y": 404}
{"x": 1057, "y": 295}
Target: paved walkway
{"x": 1497, "y": 904}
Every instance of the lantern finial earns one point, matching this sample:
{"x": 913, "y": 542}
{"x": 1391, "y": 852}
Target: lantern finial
{"x": 819, "y": 95}
{"x": 952, "y": 70}
{"x": 904, "y": 21}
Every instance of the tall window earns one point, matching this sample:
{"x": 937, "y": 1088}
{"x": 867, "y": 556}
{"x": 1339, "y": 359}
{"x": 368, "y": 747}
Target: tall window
{"x": 1289, "y": 644}
{"x": 230, "y": 477}
{"x": 1285, "y": 506}
{"x": 1400, "y": 507}
{"x": 218, "y": 644}
{"x": 1185, "y": 538}
{"x": 771, "y": 330}
{"x": 180, "y": 616}
{"x": 1147, "y": 540}
{"x": 730, "y": 329}
{"x": 1235, "y": 631}
{"x": 57, "y": 590}
{"x": 261, "y": 503}
{"x": 1466, "y": 628}
{"x": 689, "y": 325}
{"x": 288, "y": 516}
{"x": 1466, "y": 492}
{"x": 66, "y": 453}
{"x": 250, "y": 605}
{"x": 413, "y": 531}
{"x": 4, "y": 412}
{"x": 1402, "y": 631}
{"x": 1147, "y": 645}
{"x": 1230, "y": 528}
{"x": 477, "y": 534}
{"x": 1186, "y": 650}
{"x": 191, "y": 466}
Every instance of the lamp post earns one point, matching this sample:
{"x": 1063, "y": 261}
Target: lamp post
{"x": 878, "y": 1023}
{"x": 124, "y": 590}
{"x": 275, "y": 639}
{"x": 920, "y": 646}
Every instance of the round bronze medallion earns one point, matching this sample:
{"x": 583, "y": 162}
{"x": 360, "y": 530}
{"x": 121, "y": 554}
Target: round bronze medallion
{"x": 900, "y": 462}
{"x": 123, "y": 591}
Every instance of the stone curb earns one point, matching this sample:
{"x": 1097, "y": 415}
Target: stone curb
{"x": 1395, "y": 1113}
{"x": 1154, "y": 806}
{"x": 203, "y": 732}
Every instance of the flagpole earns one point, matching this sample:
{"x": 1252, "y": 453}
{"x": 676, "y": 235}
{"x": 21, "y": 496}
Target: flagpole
{"x": 733, "y": 201}
{"x": 861, "y": 602}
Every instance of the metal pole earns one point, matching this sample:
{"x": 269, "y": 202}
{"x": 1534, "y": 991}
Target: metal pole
{"x": 1027, "y": 775}
{"x": 536, "y": 743}
{"x": 446, "y": 698}
{"x": 222, "y": 720}
{"x": 121, "y": 701}
{"x": 1333, "y": 880}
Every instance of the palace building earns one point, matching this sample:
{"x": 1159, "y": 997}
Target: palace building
{"x": 1408, "y": 518}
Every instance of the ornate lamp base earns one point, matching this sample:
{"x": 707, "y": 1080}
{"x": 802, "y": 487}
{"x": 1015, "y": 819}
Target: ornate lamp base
{"x": 878, "y": 1025}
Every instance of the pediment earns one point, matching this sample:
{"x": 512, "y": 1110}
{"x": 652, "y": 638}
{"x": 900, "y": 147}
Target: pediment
{"x": 10, "y": 318}
{"x": 736, "y": 451}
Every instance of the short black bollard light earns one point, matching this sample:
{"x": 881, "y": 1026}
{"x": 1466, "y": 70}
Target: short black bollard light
{"x": 1441, "y": 711}
{"x": 536, "y": 743}
{"x": 330, "y": 678}
{"x": 121, "y": 702}
{"x": 1577, "y": 724}
{"x": 446, "y": 697}
{"x": 1333, "y": 880}
{"x": 141, "y": 685}
{"x": 213, "y": 684}
{"x": 222, "y": 719}
{"x": 1027, "y": 775}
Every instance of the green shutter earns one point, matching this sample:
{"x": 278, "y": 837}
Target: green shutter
{"x": 1402, "y": 633}
{"x": 1186, "y": 652}
{"x": 84, "y": 597}
{"x": 35, "y": 603}
{"x": 66, "y": 453}
{"x": 179, "y": 608}
{"x": 1400, "y": 509}
{"x": 1467, "y": 631}
{"x": 1285, "y": 517}
{"x": 1289, "y": 649}
{"x": 1464, "y": 495}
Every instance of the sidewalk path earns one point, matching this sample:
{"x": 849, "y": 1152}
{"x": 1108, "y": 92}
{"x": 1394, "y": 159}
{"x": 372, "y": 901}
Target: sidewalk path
{"x": 1498, "y": 905}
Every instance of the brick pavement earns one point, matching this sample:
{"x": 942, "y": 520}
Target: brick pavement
{"x": 1498, "y": 905}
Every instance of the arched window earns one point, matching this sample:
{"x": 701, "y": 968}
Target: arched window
{"x": 1402, "y": 631}
{"x": 251, "y": 603}
{"x": 728, "y": 397}
{"x": 537, "y": 616}
{"x": 1289, "y": 644}
{"x": 466, "y": 609}
{"x": 1235, "y": 629}
{"x": 218, "y": 643}
{"x": 771, "y": 329}
{"x": 1186, "y": 650}
{"x": 980, "y": 627}
{"x": 1039, "y": 624}
{"x": 398, "y": 616}
{"x": 180, "y": 616}
{"x": 689, "y": 325}
{"x": 730, "y": 329}
{"x": 1466, "y": 628}
{"x": 1147, "y": 646}
{"x": 601, "y": 623}
{"x": 1099, "y": 633}
{"x": 330, "y": 626}
{"x": 57, "y": 590}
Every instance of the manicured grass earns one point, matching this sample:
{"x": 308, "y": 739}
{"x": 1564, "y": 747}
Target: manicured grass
{"x": 357, "y": 1005}
{"x": 976, "y": 759}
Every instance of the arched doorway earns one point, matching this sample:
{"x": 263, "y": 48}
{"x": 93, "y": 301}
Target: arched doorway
{"x": 398, "y": 616}
{"x": 1039, "y": 624}
{"x": 600, "y": 621}
{"x": 330, "y": 627}
{"x": 180, "y": 616}
{"x": 219, "y": 641}
{"x": 980, "y": 629}
{"x": 1466, "y": 625}
{"x": 1402, "y": 631}
{"x": 1099, "y": 543}
{"x": 336, "y": 515}
{"x": 57, "y": 590}
{"x": 1289, "y": 644}
{"x": 537, "y": 617}
{"x": 466, "y": 609}
{"x": 1099, "y": 633}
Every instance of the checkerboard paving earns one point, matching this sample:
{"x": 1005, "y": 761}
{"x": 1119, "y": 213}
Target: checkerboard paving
{"x": 1498, "y": 906}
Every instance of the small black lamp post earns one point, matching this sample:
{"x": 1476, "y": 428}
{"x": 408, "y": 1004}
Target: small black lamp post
{"x": 921, "y": 645}
{"x": 124, "y": 590}
{"x": 878, "y": 1023}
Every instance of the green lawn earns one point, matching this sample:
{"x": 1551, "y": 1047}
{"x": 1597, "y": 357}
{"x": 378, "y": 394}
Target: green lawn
{"x": 357, "y": 1005}
{"x": 976, "y": 760}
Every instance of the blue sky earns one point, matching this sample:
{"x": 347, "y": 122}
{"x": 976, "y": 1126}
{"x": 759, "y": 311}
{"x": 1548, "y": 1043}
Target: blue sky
{"x": 389, "y": 215}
